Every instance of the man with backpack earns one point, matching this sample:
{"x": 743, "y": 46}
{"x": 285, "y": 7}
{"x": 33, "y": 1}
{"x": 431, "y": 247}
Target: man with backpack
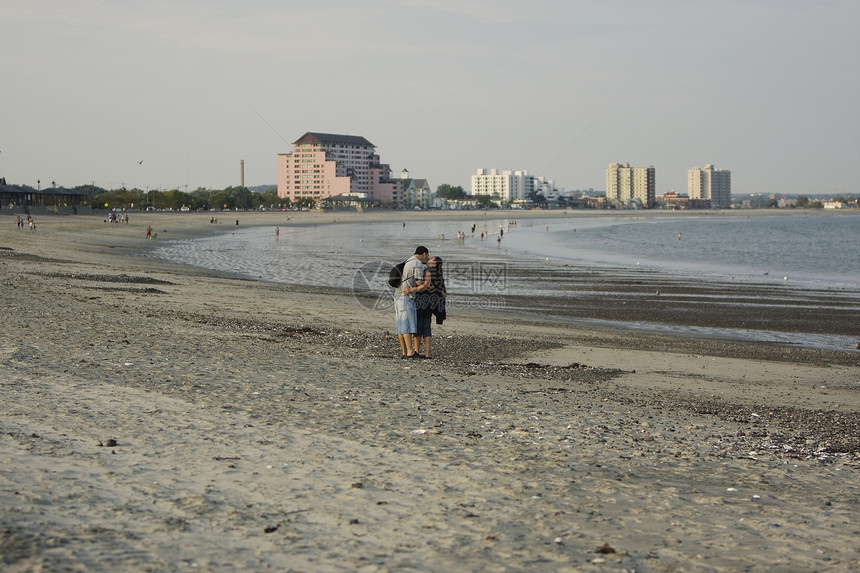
{"x": 415, "y": 278}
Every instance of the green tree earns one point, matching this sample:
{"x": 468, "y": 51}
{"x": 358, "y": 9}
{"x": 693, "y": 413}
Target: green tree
{"x": 221, "y": 200}
{"x": 243, "y": 198}
{"x": 484, "y": 201}
{"x": 155, "y": 199}
{"x": 92, "y": 192}
{"x": 176, "y": 199}
{"x": 305, "y": 202}
{"x": 270, "y": 198}
{"x": 536, "y": 197}
{"x": 446, "y": 191}
{"x": 116, "y": 199}
{"x": 200, "y": 199}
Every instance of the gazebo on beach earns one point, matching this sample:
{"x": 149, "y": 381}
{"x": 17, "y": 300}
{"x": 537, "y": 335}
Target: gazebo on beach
{"x": 24, "y": 197}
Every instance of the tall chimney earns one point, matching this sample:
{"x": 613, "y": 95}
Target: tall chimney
{"x": 242, "y": 173}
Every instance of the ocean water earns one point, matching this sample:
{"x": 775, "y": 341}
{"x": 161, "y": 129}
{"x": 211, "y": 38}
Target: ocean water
{"x": 814, "y": 250}
{"x": 820, "y": 249}
{"x": 803, "y": 251}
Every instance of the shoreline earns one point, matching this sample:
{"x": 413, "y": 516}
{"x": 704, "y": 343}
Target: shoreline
{"x": 640, "y": 301}
{"x": 158, "y": 416}
{"x": 660, "y": 307}
{"x": 795, "y": 315}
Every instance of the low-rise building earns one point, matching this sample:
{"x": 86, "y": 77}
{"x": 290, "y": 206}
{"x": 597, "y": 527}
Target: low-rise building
{"x": 416, "y": 192}
{"x": 673, "y": 201}
{"x": 359, "y": 201}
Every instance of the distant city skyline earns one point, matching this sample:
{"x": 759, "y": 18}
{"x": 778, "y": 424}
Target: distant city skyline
{"x": 174, "y": 94}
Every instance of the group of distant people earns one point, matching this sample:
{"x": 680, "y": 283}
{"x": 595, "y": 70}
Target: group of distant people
{"x": 19, "y": 223}
{"x": 419, "y": 298}
{"x": 121, "y": 218}
{"x": 461, "y": 235}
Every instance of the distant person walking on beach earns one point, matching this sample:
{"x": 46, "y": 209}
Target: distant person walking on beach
{"x": 405, "y": 317}
{"x": 430, "y": 302}
{"x": 149, "y": 232}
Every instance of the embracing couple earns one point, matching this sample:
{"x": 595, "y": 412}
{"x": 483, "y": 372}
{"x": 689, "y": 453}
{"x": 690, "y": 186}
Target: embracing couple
{"x": 420, "y": 296}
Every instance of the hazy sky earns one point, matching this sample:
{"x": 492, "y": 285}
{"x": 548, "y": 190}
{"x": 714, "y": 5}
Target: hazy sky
{"x": 767, "y": 89}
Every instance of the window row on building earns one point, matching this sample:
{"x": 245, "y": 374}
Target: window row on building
{"x": 626, "y": 185}
{"x": 710, "y": 184}
{"x": 330, "y": 165}
{"x": 511, "y": 186}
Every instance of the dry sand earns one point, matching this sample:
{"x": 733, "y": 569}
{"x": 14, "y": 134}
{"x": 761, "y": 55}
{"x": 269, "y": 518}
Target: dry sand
{"x": 157, "y": 417}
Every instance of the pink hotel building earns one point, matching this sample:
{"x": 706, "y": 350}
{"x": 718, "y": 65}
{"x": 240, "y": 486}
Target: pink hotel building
{"x": 326, "y": 165}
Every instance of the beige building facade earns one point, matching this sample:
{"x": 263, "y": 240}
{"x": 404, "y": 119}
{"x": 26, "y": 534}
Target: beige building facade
{"x": 626, "y": 186}
{"x": 710, "y": 184}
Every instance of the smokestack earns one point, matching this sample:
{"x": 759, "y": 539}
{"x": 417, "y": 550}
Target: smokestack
{"x": 242, "y": 173}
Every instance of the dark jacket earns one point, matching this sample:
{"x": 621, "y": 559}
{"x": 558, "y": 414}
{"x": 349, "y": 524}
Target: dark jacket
{"x": 432, "y": 300}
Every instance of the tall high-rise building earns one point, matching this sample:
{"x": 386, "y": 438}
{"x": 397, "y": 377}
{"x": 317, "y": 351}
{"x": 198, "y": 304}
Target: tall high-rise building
{"x": 712, "y": 184}
{"x": 494, "y": 183}
{"x": 324, "y": 165}
{"x": 626, "y": 185}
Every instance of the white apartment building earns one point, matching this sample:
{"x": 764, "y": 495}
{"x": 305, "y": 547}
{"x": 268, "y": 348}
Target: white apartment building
{"x": 711, "y": 184}
{"x": 496, "y": 184}
{"x": 627, "y": 185}
{"x": 508, "y": 186}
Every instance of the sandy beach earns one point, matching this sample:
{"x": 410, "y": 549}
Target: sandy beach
{"x": 161, "y": 417}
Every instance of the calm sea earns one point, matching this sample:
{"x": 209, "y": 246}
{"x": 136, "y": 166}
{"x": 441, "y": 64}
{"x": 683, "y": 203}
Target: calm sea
{"x": 817, "y": 250}
{"x": 803, "y": 250}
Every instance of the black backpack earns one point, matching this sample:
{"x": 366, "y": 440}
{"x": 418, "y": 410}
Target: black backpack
{"x": 395, "y": 275}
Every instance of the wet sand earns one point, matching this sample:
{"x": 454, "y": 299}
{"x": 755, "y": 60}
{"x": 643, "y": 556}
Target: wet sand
{"x": 158, "y": 417}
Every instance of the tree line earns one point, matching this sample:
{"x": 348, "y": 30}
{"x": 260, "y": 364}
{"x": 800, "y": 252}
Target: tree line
{"x": 228, "y": 198}
{"x": 267, "y": 198}
{"x": 200, "y": 199}
{"x": 457, "y": 193}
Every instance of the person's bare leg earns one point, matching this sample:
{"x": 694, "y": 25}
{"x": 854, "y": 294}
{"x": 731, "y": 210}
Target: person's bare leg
{"x": 427, "y": 346}
{"x": 408, "y": 339}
